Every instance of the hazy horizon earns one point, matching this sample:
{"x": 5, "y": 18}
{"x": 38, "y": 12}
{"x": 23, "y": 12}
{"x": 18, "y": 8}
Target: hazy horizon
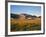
{"x": 31, "y": 10}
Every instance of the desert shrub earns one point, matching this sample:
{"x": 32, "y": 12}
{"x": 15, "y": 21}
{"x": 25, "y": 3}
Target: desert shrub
{"x": 26, "y": 27}
{"x": 29, "y": 27}
{"x": 36, "y": 27}
{"x": 15, "y": 27}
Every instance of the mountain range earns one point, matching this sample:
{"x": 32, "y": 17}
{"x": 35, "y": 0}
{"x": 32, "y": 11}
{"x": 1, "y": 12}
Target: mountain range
{"x": 16, "y": 16}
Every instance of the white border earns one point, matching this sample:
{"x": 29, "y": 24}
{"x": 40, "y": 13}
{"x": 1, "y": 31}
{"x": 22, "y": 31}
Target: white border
{"x": 24, "y": 32}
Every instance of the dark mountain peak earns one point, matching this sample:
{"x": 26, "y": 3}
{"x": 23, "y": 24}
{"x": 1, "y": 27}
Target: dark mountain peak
{"x": 17, "y": 16}
{"x": 14, "y": 16}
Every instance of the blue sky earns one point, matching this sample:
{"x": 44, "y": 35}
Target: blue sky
{"x": 31, "y": 10}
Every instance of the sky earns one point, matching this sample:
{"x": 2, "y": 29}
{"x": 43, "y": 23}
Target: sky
{"x": 31, "y": 10}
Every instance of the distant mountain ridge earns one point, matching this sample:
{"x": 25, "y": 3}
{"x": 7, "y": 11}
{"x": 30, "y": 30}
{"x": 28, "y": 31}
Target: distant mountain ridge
{"x": 26, "y": 16}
